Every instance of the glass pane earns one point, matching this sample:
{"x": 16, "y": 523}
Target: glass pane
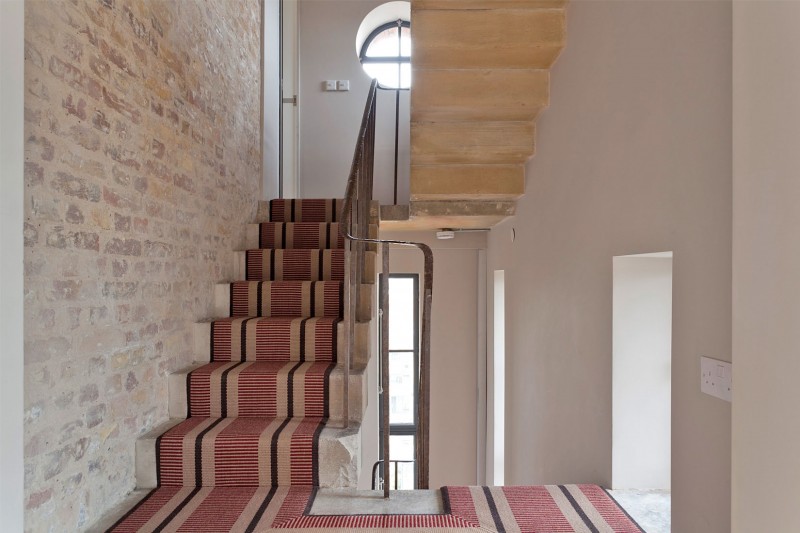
{"x": 401, "y": 313}
{"x": 385, "y": 44}
{"x": 405, "y": 75}
{"x": 401, "y": 447}
{"x": 386, "y": 73}
{"x": 401, "y": 388}
{"x": 405, "y": 42}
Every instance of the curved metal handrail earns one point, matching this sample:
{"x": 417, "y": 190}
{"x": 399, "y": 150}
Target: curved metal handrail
{"x": 354, "y": 226}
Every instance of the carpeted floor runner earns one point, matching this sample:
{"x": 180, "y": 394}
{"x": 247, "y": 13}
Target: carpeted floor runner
{"x": 534, "y": 509}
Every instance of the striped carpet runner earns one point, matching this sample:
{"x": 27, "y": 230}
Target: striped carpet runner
{"x": 256, "y": 410}
{"x": 531, "y": 509}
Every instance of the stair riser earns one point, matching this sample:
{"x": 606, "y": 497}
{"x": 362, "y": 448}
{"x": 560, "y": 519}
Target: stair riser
{"x": 321, "y": 212}
{"x": 222, "y": 301}
{"x": 339, "y": 456}
{"x": 272, "y": 236}
{"x": 369, "y": 274}
{"x": 357, "y": 392}
{"x": 361, "y": 351}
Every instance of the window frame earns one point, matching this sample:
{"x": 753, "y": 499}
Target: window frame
{"x": 398, "y": 59}
{"x": 413, "y": 428}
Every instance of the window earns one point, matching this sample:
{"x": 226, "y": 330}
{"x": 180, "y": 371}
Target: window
{"x": 403, "y": 378}
{"x": 386, "y": 55}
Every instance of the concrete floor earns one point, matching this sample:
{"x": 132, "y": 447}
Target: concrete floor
{"x": 357, "y": 502}
{"x": 650, "y": 508}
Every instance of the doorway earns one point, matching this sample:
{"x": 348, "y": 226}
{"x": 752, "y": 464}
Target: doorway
{"x": 642, "y": 382}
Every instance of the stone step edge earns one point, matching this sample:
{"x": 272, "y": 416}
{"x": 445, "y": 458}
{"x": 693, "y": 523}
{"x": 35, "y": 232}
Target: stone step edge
{"x": 339, "y": 456}
{"x": 358, "y": 392}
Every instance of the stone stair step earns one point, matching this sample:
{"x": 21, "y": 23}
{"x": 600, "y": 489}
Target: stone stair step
{"x": 361, "y": 346}
{"x": 327, "y": 298}
{"x": 299, "y": 263}
{"x": 178, "y": 391}
{"x": 338, "y": 452}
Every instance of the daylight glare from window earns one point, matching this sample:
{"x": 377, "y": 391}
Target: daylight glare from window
{"x": 388, "y": 58}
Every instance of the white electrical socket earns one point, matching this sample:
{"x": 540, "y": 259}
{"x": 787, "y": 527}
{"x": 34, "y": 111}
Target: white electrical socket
{"x": 329, "y": 85}
{"x": 716, "y": 378}
{"x": 343, "y": 85}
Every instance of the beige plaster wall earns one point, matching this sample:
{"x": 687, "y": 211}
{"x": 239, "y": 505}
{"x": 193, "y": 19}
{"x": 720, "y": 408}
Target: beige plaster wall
{"x": 766, "y": 262}
{"x": 329, "y": 121}
{"x": 143, "y": 162}
{"x": 633, "y": 156}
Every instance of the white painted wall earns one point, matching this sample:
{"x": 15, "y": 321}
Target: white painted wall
{"x": 766, "y": 266}
{"x": 271, "y": 104}
{"x": 642, "y": 369}
{"x": 633, "y": 155}
{"x": 329, "y": 121}
{"x": 454, "y": 350}
{"x": 12, "y": 23}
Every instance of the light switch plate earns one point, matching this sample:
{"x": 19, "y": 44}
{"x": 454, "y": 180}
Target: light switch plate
{"x": 343, "y": 85}
{"x": 716, "y": 378}
{"x": 329, "y": 85}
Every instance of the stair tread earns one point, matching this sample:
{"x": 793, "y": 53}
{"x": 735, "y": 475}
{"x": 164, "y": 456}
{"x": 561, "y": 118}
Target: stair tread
{"x": 305, "y": 209}
{"x": 295, "y": 265}
{"x": 274, "y": 338}
{"x": 287, "y": 298}
{"x": 300, "y": 235}
{"x": 240, "y": 451}
{"x": 259, "y": 389}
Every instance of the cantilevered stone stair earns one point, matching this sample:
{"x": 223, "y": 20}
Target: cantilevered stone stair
{"x": 263, "y": 404}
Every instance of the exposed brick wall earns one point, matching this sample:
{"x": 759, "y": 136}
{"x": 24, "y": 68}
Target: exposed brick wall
{"x": 142, "y": 165}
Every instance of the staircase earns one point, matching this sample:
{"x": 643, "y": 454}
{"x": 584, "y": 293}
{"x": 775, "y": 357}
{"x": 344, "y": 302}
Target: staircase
{"x": 263, "y": 405}
{"x": 481, "y": 71}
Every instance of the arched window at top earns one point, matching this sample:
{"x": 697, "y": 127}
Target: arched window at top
{"x": 386, "y": 55}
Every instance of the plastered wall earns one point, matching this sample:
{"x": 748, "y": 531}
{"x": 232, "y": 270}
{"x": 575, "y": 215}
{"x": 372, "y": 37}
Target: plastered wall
{"x": 142, "y": 163}
{"x": 633, "y": 156}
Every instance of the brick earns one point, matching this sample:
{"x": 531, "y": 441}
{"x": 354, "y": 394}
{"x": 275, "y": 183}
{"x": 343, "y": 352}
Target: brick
{"x": 66, "y": 289}
{"x": 74, "y": 215}
{"x": 123, "y": 156}
{"x": 34, "y": 174}
{"x": 30, "y": 234}
{"x": 95, "y": 415}
{"x": 85, "y": 137}
{"x": 184, "y": 182}
{"x": 42, "y": 350}
{"x": 123, "y": 200}
{"x": 119, "y": 267}
{"x": 124, "y": 247}
{"x": 120, "y": 106}
{"x": 89, "y": 393}
{"x": 100, "y": 68}
{"x": 76, "y": 187}
{"x": 75, "y": 107}
{"x": 68, "y": 73}
{"x": 131, "y": 382}
{"x": 46, "y": 146}
{"x": 115, "y": 56}
{"x": 122, "y": 223}
{"x": 37, "y": 499}
{"x": 99, "y": 121}
{"x": 32, "y": 55}
{"x": 157, "y": 149}
{"x": 120, "y": 290}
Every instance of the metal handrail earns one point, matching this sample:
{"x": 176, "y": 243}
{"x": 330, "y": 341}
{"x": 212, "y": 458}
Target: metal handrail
{"x": 354, "y": 226}
{"x": 383, "y": 481}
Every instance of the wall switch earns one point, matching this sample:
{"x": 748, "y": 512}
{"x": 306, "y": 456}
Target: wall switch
{"x": 343, "y": 85}
{"x": 329, "y": 85}
{"x": 716, "y": 378}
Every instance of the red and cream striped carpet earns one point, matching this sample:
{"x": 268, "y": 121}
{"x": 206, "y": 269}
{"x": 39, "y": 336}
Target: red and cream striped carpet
{"x": 246, "y": 457}
{"x": 535, "y": 509}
